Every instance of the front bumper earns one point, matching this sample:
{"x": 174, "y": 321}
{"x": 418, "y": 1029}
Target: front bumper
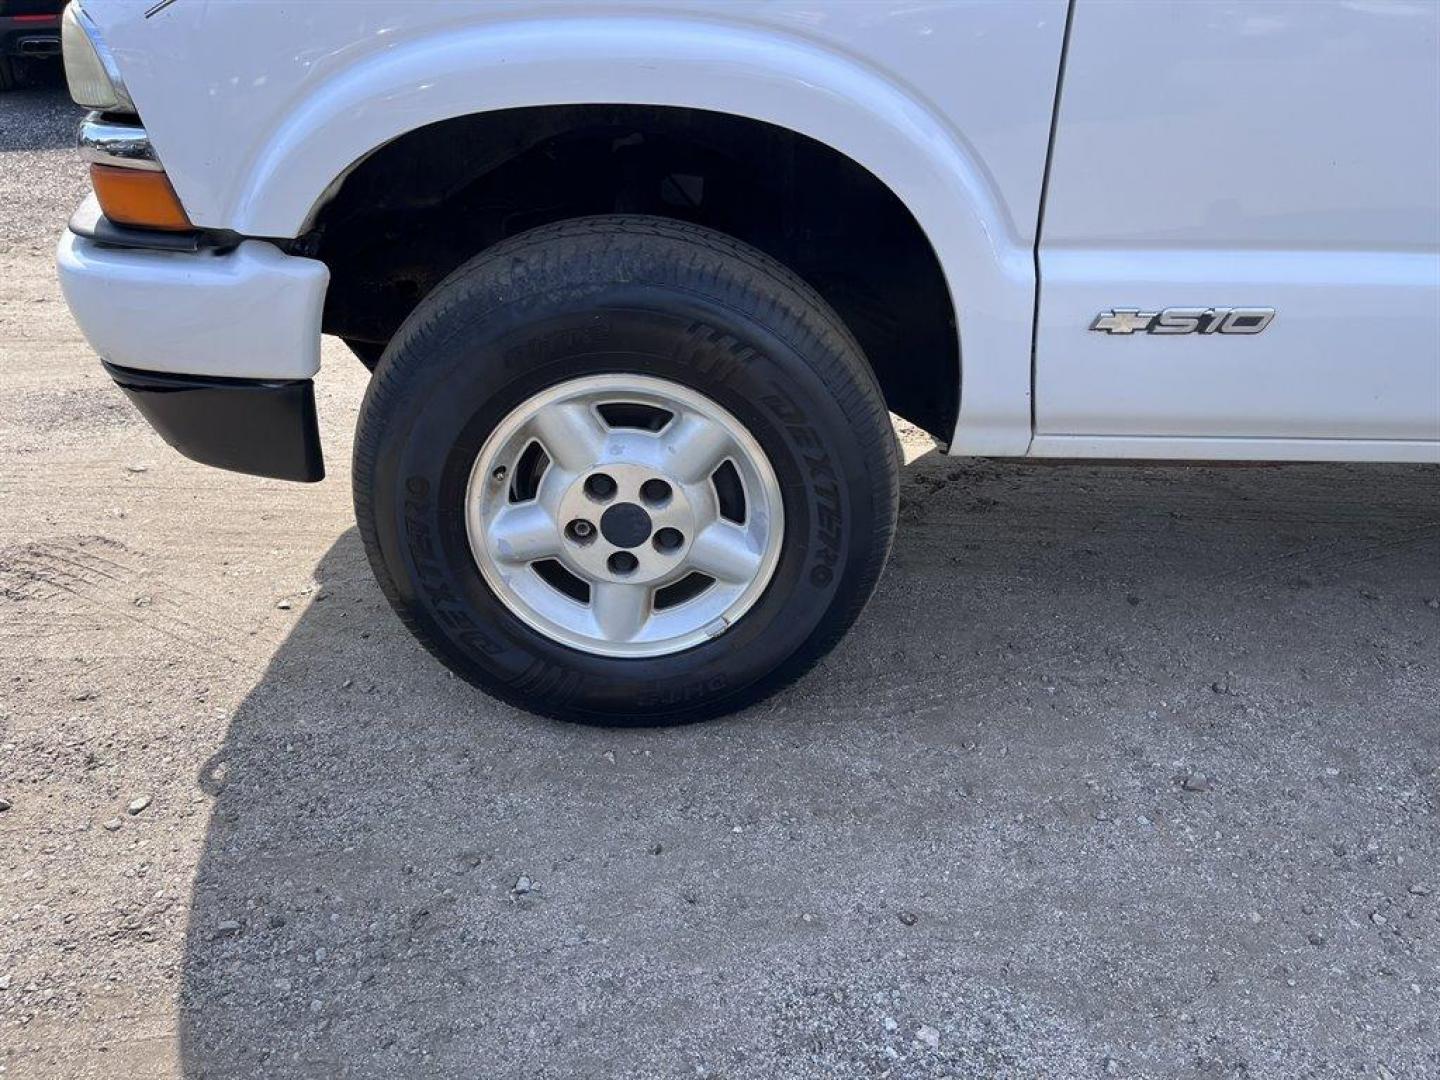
{"x": 216, "y": 347}
{"x": 249, "y": 313}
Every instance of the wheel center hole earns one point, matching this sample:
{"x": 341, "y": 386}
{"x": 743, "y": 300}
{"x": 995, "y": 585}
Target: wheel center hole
{"x": 626, "y": 525}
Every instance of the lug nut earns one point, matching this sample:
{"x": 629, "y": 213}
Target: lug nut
{"x": 622, "y": 562}
{"x": 668, "y": 539}
{"x": 580, "y": 530}
{"x": 599, "y": 486}
{"x": 656, "y": 492}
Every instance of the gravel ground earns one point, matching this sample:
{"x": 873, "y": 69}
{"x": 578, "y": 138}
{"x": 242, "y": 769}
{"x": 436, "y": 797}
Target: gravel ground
{"x": 1125, "y": 772}
{"x": 41, "y": 179}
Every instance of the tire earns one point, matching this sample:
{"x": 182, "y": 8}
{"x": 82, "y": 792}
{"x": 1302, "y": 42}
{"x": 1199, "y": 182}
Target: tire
{"x": 9, "y": 73}
{"x": 636, "y": 302}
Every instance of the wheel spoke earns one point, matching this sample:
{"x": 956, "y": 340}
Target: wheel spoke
{"x": 620, "y": 610}
{"x": 552, "y": 491}
{"x": 571, "y": 434}
{"x": 694, "y": 447}
{"x": 524, "y": 533}
{"x": 724, "y": 551}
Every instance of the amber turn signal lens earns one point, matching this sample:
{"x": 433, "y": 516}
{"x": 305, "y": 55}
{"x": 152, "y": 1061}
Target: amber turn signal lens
{"x": 138, "y": 197}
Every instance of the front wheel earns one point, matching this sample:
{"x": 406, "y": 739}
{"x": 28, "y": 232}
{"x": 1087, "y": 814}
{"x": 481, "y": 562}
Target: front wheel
{"x": 625, "y": 470}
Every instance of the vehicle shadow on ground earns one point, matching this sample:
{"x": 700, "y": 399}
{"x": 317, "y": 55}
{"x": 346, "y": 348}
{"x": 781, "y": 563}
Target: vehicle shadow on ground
{"x": 1119, "y": 766}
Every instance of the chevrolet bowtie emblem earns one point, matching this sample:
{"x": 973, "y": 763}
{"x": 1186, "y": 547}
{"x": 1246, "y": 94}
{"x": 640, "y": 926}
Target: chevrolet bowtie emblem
{"x": 1123, "y": 320}
{"x": 1184, "y": 320}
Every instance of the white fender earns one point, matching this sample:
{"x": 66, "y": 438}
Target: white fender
{"x": 374, "y": 92}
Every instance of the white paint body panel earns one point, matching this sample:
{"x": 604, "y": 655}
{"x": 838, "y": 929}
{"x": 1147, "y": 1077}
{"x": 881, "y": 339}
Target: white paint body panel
{"x": 1351, "y": 354}
{"x": 1279, "y": 155}
{"x": 253, "y": 313}
{"x": 948, "y": 103}
{"x": 1208, "y": 153}
{"x": 1169, "y": 448}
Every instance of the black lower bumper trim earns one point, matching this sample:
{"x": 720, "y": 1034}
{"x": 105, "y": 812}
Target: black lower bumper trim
{"x": 89, "y": 222}
{"x": 261, "y": 427}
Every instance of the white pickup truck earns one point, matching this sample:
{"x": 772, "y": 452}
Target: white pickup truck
{"x": 639, "y": 281}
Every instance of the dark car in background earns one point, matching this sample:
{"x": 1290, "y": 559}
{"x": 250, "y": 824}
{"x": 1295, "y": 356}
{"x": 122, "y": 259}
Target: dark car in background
{"x": 29, "y": 34}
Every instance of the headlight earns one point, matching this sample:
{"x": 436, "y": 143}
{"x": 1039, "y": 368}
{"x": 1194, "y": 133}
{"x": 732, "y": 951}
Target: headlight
{"x": 89, "y": 68}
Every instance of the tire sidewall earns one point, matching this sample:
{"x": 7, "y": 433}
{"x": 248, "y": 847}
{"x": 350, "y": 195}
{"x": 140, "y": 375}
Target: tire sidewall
{"x": 466, "y": 370}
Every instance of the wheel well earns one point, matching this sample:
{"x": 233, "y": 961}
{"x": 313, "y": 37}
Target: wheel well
{"x": 421, "y": 205}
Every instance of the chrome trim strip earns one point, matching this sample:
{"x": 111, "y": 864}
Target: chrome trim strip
{"x": 108, "y": 142}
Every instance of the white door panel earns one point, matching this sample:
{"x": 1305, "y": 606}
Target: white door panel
{"x": 1350, "y": 354}
{"x": 1257, "y": 154}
